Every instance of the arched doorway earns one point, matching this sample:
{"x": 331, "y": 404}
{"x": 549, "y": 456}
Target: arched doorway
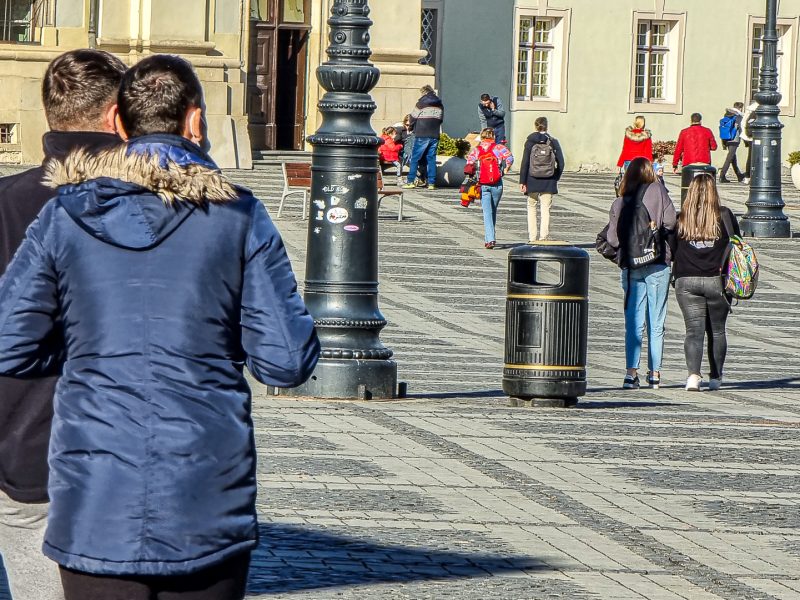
{"x": 276, "y": 78}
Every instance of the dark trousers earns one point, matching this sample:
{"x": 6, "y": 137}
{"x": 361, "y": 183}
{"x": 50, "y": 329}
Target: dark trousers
{"x": 705, "y": 310}
{"x": 748, "y": 162}
{"x": 225, "y": 581}
{"x": 730, "y": 161}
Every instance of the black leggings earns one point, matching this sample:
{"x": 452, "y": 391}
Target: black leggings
{"x": 705, "y": 311}
{"x": 225, "y": 581}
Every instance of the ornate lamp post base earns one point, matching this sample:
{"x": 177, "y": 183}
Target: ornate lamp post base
{"x": 347, "y": 378}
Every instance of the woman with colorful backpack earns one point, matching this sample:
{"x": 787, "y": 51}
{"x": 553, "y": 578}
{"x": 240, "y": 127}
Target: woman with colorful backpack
{"x": 700, "y": 248}
{"x": 639, "y": 222}
{"x": 491, "y": 161}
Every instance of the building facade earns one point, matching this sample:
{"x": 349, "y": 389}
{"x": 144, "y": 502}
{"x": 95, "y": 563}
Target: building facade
{"x": 256, "y": 60}
{"x": 590, "y": 66}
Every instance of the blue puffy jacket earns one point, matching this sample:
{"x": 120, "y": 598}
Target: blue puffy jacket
{"x": 167, "y": 281}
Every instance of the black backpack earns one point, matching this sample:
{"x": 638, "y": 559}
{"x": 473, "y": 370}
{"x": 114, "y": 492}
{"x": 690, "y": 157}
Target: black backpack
{"x": 640, "y": 239}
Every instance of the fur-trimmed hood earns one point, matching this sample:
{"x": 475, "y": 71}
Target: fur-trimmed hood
{"x": 637, "y": 135}
{"x": 135, "y": 195}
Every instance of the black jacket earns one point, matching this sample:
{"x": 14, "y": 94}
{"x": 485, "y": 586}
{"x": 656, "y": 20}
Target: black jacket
{"x": 543, "y": 185}
{"x": 427, "y": 116}
{"x": 26, "y": 405}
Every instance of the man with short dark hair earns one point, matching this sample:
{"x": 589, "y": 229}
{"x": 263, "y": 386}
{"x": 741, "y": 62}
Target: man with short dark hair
{"x": 167, "y": 280}
{"x": 491, "y": 113}
{"x": 695, "y": 144}
{"x": 79, "y": 94}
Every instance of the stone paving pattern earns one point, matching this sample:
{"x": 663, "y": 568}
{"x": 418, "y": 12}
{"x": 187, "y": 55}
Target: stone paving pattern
{"x": 452, "y": 493}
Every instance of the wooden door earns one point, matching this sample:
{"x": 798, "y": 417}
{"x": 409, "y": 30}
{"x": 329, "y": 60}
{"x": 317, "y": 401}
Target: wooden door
{"x": 261, "y": 85}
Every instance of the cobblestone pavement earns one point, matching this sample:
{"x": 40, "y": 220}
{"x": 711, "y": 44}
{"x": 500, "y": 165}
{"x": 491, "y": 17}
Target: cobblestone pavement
{"x": 452, "y": 493}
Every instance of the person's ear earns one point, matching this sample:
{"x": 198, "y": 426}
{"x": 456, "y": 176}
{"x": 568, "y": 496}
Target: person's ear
{"x": 110, "y": 119}
{"x": 194, "y": 126}
{"x": 120, "y": 128}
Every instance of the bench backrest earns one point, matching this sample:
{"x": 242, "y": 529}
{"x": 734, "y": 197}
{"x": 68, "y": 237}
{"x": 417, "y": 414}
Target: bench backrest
{"x": 297, "y": 174}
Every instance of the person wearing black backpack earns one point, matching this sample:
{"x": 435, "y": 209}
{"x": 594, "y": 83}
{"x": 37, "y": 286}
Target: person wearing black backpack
{"x": 730, "y": 132}
{"x": 542, "y": 166}
{"x": 639, "y": 222}
{"x": 700, "y": 247}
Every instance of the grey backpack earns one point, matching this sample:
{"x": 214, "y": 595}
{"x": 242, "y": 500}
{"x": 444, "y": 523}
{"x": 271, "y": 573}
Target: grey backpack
{"x": 543, "y": 160}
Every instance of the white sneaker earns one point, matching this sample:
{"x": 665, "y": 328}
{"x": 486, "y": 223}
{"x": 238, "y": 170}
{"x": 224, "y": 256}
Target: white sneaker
{"x": 714, "y": 385}
{"x": 693, "y": 383}
{"x": 746, "y": 181}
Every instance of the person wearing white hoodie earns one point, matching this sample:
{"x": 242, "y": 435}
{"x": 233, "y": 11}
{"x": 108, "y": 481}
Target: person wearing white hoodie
{"x": 747, "y": 137}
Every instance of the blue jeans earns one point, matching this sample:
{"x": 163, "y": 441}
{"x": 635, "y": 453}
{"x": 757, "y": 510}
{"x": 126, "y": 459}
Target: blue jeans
{"x": 490, "y": 200}
{"x": 424, "y": 147}
{"x": 647, "y": 304}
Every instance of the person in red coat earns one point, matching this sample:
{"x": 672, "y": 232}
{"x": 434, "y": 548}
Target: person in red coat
{"x": 389, "y": 151}
{"x": 695, "y": 144}
{"x": 638, "y": 142}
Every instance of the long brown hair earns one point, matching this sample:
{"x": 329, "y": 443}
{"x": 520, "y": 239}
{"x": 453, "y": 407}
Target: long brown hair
{"x": 699, "y": 218}
{"x": 639, "y": 172}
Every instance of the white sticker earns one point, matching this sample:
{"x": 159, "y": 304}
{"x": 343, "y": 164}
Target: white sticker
{"x": 320, "y": 215}
{"x": 320, "y": 204}
{"x": 361, "y": 204}
{"x": 338, "y": 215}
{"x": 333, "y": 189}
{"x": 352, "y": 177}
{"x": 773, "y": 143}
{"x": 757, "y": 142}
{"x": 317, "y": 229}
{"x": 335, "y": 200}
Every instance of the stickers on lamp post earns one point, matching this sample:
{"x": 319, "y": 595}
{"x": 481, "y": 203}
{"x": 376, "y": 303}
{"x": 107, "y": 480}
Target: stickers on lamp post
{"x": 337, "y": 215}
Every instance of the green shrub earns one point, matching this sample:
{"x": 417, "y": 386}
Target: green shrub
{"x": 453, "y": 146}
{"x": 661, "y": 149}
{"x": 794, "y": 158}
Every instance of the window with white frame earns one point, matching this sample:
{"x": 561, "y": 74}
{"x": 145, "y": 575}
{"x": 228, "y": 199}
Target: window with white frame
{"x": 8, "y": 133}
{"x": 535, "y": 58}
{"x": 652, "y": 60}
{"x": 657, "y": 62}
{"x": 784, "y": 62}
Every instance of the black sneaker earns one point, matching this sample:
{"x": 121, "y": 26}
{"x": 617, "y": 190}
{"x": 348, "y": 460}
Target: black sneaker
{"x": 654, "y": 380}
{"x": 630, "y": 382}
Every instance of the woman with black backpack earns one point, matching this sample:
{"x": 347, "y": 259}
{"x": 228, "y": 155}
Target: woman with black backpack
{"x": 639, "y": 222}
{"x": 700, "y": 247}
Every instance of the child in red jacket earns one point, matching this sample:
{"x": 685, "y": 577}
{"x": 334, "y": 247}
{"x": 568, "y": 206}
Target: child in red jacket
{"x": 389, "y": 151}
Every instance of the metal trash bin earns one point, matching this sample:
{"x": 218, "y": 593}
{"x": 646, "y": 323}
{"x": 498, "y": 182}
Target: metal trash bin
{"x": 689, "y": 172}
{"x": 547, "y": 322}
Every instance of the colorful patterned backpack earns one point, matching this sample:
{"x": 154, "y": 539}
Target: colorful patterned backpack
{"x": 740, "y": 274}
{"x": 742, "y": 277}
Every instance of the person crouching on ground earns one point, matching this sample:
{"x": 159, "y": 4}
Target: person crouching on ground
{"x": 167, "y": 280}
{"x": 389, "y": 152}
{"x": 638, "y": 142}
{"x": 700, "y": 246}
{"x": 541, "y": 168}
{"x": 645, "y": 287}
{"x": 492, "y": 161}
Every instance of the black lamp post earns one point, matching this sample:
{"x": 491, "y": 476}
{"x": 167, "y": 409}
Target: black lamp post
{"x": 341, "y": 288}
{"x": 765, "y": 216}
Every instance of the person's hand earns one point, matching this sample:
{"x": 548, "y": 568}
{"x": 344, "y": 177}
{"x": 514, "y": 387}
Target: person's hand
{"x": 492, "y": 105}
{"x": 674, "y": 170}
{"x": 523, "y": 188}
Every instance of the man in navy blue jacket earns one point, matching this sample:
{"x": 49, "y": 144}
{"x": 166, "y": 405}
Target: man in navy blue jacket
{"x": 79, "y": 94}
{"x": 167, "y": 281}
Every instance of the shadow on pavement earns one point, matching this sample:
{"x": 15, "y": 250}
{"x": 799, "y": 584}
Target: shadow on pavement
{"x": 292, "y": 559}
{"x": 602, "y": 404}
{"x": 452, "y": 395}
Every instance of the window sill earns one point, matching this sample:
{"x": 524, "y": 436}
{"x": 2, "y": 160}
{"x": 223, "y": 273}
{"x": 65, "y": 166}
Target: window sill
{"x": 667, "y": 107}
{"x": 545, "y": 104}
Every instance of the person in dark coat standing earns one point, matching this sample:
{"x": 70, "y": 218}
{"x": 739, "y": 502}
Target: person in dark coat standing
{"x": 167, "y": 281}
{"x": 541, "y": 168}
{"x": 79, "y": 95}
{"x": 492, "y": 113}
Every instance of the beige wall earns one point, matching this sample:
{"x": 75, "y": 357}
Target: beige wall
{"x": 213, "y": 35}
{"x": 715, "y": 64}
{"x": 133, "y": 29}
